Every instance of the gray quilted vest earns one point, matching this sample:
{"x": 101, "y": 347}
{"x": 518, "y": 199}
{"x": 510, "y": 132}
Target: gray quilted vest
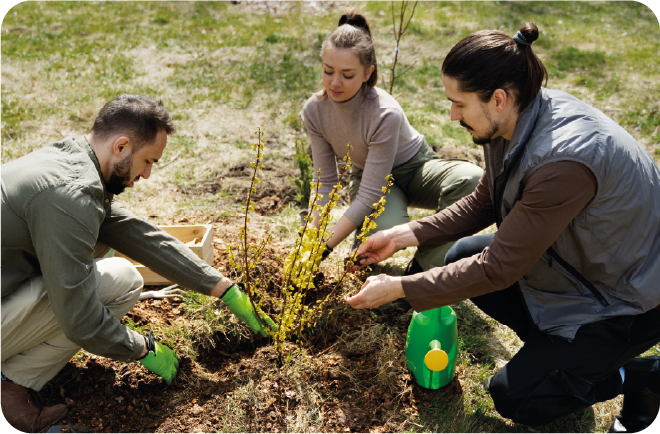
{"x": 606, "y": 263}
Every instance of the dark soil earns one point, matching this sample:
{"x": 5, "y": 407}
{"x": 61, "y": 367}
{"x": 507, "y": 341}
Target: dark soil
{"x": 109, "y": 396}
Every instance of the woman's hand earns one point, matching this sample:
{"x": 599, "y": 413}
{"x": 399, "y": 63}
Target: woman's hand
{"x": 377, "y": 291}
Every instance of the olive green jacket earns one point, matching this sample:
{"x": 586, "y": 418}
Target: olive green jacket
{"x": 55, "y": 212}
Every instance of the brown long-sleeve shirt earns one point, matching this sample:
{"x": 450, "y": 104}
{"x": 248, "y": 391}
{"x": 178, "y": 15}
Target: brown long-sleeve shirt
{"x": 553, "y": 196}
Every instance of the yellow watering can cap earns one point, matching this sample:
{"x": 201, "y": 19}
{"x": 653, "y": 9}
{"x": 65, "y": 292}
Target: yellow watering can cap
{"x": 436, "y": 360}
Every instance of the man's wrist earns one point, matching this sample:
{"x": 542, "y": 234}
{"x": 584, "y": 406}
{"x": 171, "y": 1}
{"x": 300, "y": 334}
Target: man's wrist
{"x": 402, "y": 236}
{"x": 397, "y": 286}
{"x": 221, "y": 287}
{"x": 145, "y": 351}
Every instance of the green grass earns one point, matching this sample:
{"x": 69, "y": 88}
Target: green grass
{"x": 81, "y": 54}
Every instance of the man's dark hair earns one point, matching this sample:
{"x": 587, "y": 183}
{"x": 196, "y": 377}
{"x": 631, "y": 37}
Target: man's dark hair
{"x": 489, "y": 60}
{"x": 139, "y": 117}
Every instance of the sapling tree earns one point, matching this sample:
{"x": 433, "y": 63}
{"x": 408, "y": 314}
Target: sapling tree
{"x": 398, "y": 34}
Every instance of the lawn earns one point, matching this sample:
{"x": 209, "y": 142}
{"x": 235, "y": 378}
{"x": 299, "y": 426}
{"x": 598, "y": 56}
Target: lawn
{"x": 225, "y": 69}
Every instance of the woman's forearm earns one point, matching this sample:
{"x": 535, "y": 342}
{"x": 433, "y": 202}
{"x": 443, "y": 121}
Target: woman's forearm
{"x": 342, "y": 229}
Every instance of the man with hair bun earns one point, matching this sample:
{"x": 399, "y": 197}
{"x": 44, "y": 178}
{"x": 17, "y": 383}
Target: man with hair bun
{"x": 575, "y": 264}
{"x": 59, "y": 294}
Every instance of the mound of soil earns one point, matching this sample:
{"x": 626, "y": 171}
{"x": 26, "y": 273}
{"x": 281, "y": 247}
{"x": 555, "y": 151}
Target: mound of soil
{"x": 110, "y": 396}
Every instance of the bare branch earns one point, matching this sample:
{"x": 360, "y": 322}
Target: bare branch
{"x": 410, "y": 18}
{"x": 406, "y": 70}
{"x": 398, "y": 33}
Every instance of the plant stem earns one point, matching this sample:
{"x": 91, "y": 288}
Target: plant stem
{"x": 246, "y": 266}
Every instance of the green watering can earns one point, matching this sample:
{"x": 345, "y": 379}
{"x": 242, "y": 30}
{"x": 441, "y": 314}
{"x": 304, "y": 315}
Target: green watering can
{"x": 431, "y": 347}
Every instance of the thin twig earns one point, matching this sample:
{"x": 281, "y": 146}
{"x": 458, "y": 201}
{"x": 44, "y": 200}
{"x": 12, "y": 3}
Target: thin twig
{"x": 406, "y": 70}
{"x": 327, "y": 349}
{"x": 398, "y": 33}
{"x": 410, "y": 18}
{"x": 160, "y": 166}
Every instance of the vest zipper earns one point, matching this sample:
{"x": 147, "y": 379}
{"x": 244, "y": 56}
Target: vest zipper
{"x": 578, "y": 276}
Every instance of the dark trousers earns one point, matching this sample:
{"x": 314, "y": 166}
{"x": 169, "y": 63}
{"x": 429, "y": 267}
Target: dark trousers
{"x": 551, "y": 377}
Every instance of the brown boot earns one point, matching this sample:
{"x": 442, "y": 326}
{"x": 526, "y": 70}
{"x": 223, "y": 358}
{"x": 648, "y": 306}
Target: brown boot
{"x": 23, "y": 410}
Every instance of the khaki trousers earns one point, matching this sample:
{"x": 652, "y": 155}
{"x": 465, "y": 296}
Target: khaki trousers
{"x": 34, "y": 348}
{"x": 428, "y": 182}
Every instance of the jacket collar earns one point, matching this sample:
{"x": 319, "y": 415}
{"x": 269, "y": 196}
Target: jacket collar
{"x": 524, "y": 128}
{"x": 85, "y": 146}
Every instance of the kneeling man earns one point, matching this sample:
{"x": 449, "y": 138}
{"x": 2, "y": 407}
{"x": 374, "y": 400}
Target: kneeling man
{"x": 574, "y": 268}
{"x": 58, "y": 217}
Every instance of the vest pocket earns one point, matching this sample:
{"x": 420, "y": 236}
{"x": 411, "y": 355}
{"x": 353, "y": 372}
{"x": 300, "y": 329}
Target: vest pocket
{"x": 576, "y": 274}
{"x": 555, "y": 293}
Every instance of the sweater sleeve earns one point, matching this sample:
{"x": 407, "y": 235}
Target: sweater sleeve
{"x": 553, "y": 196}
{"x": 323, "y": 157}
{"x": 383, "y": 145}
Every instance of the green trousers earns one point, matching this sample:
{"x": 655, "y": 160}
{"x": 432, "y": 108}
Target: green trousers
{"x": 426, "y": 181}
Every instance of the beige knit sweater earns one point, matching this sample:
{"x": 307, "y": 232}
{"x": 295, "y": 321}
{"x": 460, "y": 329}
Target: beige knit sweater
{"x": 381, "y": 136}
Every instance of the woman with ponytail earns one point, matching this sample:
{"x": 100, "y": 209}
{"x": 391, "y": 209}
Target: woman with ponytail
{"x": 574, "y": 267}
{"x": 351, "y": 109}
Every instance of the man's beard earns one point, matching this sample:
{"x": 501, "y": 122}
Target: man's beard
{"x": 120, "y": 176}
{"x": 494, "y": 127}
{"x": 485, "y": 139}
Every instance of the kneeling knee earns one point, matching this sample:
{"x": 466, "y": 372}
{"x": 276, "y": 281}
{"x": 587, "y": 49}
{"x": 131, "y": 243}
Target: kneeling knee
{"x": 127, "y": 275}
{"x": 541, "y": 400}
{"x": 505, "y": 405}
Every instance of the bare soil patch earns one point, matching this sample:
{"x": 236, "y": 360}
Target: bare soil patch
{"x": 460, "y": 153}
{"x": 242, "y": 376}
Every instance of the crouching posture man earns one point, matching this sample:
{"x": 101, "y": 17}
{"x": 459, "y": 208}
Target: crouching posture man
{"x": 574, "y": 268}
{"x": 58, "y": 215}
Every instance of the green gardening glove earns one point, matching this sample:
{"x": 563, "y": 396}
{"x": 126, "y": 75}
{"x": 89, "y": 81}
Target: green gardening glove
{"x": 160, "y": 359}
{"x": 239, "y": 304}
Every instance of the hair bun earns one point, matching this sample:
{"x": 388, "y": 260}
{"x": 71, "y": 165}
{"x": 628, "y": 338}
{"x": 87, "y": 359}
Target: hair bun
{"x": 530, "y": 32}
{"x": 354, "y": 19}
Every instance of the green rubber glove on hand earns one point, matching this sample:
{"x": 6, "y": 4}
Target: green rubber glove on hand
{"x": 239, "y": 304}
{"x": 160, "y": 359}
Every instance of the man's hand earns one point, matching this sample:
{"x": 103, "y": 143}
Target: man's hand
{"x": 378, "y": 247}
{"x": 240, "y": 305}
{"x": 160, "y": 359}
{"x": 384, "y": 244}
{"x": 377, "y": 291}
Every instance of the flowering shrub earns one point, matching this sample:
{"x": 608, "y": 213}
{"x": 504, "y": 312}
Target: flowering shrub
{"x": 286, "y": 305}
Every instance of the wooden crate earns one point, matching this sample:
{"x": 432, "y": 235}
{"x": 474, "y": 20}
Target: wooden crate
{"x": 198, "y": 238}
